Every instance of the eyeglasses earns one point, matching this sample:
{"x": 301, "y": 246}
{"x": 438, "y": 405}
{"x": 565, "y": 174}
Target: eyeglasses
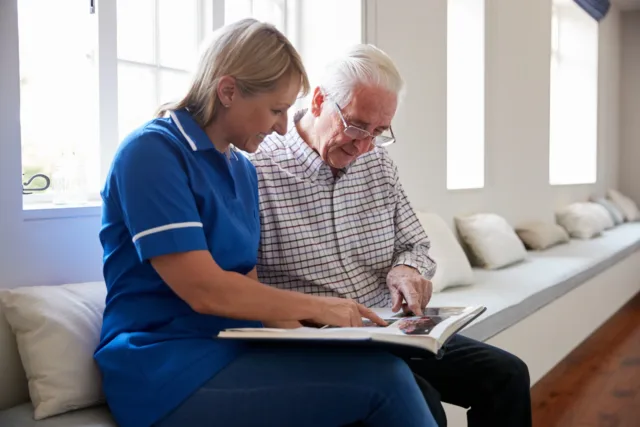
{"x": 358, "y": 133}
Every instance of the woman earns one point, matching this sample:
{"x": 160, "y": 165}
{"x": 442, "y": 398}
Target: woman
{"x": 180, "y": 236}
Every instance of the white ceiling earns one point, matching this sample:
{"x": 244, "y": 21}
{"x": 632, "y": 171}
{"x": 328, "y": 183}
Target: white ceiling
{"x": 627, "y": 4}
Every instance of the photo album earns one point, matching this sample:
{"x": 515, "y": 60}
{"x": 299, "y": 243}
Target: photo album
{"x": 427, "y": 332}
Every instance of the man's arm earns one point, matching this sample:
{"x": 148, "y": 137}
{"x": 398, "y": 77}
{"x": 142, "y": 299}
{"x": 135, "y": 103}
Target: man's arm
{"x": 412, "y": 268}
{"x": 411, "y": 246}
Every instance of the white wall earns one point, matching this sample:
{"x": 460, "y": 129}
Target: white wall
{"x": 630, "y": 105}
{"x": 413, "y": 32}
{"x": 518, "y": 38}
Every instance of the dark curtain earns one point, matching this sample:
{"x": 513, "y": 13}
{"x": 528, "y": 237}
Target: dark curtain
{"x": 596, "y": 8}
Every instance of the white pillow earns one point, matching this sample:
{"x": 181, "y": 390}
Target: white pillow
{"x": 57, "y": 330}
{"x": 626, "y": 205}
{"x": 580, "y": 220}
{"x": 603, "y": 215}
{"x": 614, "y": 212}
{"x": 491, "y": 241}
{"x": 453, "y": 267}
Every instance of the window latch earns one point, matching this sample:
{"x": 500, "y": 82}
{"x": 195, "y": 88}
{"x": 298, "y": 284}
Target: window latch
{"x": 47, "y": 183}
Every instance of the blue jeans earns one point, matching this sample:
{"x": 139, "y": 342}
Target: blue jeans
{"x": 307, "y": 387}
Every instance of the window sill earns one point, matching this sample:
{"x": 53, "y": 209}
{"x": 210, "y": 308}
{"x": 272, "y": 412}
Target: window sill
{"x": 41, "y": 211}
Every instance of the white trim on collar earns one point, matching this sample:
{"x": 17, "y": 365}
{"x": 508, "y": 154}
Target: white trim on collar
{"x": 181, "y": 129}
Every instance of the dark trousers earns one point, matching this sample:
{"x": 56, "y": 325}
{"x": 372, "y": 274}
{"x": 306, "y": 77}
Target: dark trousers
{"x": 492, "y": 383}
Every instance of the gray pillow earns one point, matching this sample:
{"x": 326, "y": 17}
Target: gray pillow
{"x": 616, "y": 215}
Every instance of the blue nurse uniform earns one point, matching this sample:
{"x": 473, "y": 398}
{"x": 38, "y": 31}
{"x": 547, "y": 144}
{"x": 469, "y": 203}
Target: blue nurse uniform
{"x": 169, "y": 190}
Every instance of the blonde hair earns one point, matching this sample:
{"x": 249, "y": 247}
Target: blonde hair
{"x": 256, "y": 54}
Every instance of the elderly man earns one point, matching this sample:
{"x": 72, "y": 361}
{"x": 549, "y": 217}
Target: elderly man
{"x": 335, "y": 221}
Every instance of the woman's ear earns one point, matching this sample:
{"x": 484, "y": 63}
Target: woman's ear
{"x": 226, "y": 90}
{"x": 316, "y": 101}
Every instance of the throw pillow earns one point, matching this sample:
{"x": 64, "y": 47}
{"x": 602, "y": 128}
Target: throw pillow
{"x": 580, "y": 220}
{"x": 625, "y": 204}
{"x": 603, "y": 215}
{"x": 453, "y": 267}
{"x": 540, "y": 235}
{"x": 492, "y": 243}
{"x": 57, "y": 330}
{"x": 616, "y": 214}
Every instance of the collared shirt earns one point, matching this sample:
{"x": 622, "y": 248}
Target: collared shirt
{"x": 334, "y": 236}
{"x": 169, "y": 191}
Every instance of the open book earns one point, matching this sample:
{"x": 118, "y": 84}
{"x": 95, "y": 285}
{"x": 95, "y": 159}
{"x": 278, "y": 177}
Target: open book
{"x": 428, "y": 332}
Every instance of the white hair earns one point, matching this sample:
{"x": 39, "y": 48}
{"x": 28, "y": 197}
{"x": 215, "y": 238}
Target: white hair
{"x": 361, "y": 64}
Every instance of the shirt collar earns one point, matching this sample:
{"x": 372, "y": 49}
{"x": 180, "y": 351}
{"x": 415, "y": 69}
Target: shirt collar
{"x": 193, "y": 133}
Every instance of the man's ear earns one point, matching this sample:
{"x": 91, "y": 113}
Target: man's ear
{"x": 316, "y": 101}
{"x": 226, "y": 90}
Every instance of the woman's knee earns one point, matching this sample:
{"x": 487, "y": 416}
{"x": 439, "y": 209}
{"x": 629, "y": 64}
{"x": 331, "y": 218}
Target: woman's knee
{"x": 390, "y": 373}
{"x": 398, "y": 396}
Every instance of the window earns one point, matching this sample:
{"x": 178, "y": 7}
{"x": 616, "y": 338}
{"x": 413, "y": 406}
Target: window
{"x": 86, "y": 84}
{"x": 465, "y": 94}
{"x": 573, "y": 96}
{"x": 317, "y": 29}
{"x": 158, "y": 43}
{"x": 96, "y": 74}
{"x": 58, "y": 83}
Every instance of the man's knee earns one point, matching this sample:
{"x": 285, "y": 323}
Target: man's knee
{"x": 517, "y": 371}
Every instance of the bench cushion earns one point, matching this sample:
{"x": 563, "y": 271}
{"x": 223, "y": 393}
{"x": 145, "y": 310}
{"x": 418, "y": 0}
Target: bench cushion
{"x": 22, "y": 416}
{"x": 514, "y": 293}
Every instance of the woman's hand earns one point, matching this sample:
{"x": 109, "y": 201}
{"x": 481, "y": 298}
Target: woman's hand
{"x": 343, "y": 312}
{"x": 283, "y": 324}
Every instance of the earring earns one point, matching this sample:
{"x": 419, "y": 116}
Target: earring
{"x": 226, "y": 105}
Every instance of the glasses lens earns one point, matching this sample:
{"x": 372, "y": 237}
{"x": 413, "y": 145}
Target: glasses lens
{"x": 355, "y": 133}
{"x": 383, "y": 140}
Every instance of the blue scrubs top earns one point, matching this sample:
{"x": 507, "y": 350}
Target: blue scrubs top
{"x": 169, "y": 190}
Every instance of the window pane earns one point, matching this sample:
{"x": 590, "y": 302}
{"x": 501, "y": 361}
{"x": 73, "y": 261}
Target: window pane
{"x": 271, "y": 11}
{"x": 465, "y": 94}
{"x": 173, "y": 85}
{"x": 326, "y": 27}
{"x": 235, "y": 10}
{"x": 573, "y": 139}
{"x": 136, "y": 97}
{"x": 136, "y": 30}
{"x": 178, "y": 33}
{"x": 58, "y": 84}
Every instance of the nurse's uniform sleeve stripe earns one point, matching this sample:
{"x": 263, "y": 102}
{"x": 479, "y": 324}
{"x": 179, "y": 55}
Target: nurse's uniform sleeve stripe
{"x": 165, "y": 228}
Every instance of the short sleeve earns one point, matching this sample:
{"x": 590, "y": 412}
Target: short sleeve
{"x": 149, "y": 183}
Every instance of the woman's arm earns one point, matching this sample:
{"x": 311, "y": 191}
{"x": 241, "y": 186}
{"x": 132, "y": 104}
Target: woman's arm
{"x": 283, "y": 324}
{"x": 196, "y": 278}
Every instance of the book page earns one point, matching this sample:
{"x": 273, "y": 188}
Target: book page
{"x": 434, "y": 322}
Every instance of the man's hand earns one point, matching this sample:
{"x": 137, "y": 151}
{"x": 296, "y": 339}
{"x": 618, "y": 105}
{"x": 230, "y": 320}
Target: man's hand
{"x": 406, "y": 283}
